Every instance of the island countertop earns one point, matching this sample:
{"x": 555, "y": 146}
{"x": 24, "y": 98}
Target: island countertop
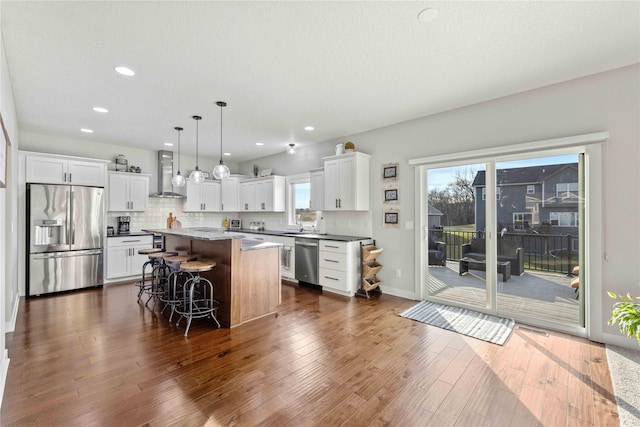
{"x": 197, "y": 233}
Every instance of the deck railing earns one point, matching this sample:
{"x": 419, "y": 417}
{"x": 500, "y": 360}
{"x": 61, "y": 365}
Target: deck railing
{"x": 542, "y": 252}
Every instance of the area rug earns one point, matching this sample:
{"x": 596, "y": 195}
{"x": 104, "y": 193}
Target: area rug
{"x": 624, "y": 366}
{"x": 471, "y": 323}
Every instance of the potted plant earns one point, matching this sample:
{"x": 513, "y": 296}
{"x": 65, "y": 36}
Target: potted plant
{"x": 626, "y": 312}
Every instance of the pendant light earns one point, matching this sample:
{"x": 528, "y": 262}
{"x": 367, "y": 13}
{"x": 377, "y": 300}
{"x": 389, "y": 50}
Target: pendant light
{"x": 221, "y": 171}
{"x": 291, "y": 149}
{"x": 178, "y": 180}
{"x": 196, "y": 175}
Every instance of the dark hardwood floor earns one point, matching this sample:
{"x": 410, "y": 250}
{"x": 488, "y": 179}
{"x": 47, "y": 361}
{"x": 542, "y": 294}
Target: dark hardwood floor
{"x": 98, "y": 358}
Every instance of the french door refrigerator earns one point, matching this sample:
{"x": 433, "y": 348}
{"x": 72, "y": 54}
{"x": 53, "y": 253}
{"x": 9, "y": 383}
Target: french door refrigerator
{"x": 65, "y": 234}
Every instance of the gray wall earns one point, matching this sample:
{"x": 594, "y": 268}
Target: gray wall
{"x": 602, "y": 102}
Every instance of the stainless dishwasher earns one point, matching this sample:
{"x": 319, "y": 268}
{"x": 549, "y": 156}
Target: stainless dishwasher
{"x": 307, "y": 260}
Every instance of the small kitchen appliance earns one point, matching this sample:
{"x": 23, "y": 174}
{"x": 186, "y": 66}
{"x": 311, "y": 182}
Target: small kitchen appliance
{"x": 123, "y": 224}
{"x": 235, "y": 224}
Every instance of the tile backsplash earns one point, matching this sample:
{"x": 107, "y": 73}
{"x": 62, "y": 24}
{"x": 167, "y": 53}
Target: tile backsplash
{"x": 342, "y": 223}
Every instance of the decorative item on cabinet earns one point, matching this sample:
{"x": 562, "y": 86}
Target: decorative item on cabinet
{"x": 121, "y": 163}
{"x": 349, "y": 146}
{"x": 370, "y": 267}
{"x": 256, "y": 170}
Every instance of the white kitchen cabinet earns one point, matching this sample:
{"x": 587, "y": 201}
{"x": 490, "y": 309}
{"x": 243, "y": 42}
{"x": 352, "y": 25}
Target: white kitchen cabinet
{"x": 65, "y": 170}
{"x": 263, "y": 194}
{"x": 346, "y": 182}
{"x": 123, "y": 259}
{"x": 127, "y": 192}
{"x": 317, "y": 190}
{"x": 339, "y": 266}
{"x": 204, "y": 197}
{"x": 230, "y": 194}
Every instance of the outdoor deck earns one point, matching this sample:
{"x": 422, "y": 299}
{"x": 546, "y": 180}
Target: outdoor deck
{"x": 541, "y": 295}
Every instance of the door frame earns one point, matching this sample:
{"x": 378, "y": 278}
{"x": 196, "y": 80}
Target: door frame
{"x": 588, "y": 144}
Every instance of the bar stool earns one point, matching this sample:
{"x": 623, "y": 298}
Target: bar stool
{"x": 141, "y": 284}
{"x": 196, "y": 306}
{"x": 159, "y": 276}
{"x": 173, "y": 295}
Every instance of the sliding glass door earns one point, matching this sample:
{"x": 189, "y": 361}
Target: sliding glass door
{"x": 503, "y": 237}
{"x": 453, "y": 233}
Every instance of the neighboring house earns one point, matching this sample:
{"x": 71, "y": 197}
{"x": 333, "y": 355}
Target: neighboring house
{"x": 433, "y": 217}
{"x": 542, "y": 199}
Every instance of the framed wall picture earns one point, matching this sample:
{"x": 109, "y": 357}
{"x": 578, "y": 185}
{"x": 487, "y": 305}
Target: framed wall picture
{"x": 390, "y": 218}
{"x": 390, "y": 172}
{"x": 390, "y": 195}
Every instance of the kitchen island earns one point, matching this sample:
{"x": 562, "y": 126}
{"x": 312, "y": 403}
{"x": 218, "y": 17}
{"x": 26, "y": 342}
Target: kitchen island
{"x": 246, "y": 277}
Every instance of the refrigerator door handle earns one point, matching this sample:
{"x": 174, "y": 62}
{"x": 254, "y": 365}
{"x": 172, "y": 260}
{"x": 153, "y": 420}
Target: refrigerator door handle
{"x": 72, "y": 217}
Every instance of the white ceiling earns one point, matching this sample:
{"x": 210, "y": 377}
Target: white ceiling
{"x": 343, "y": 67}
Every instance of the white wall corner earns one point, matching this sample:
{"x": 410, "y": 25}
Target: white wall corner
{"x": 10, "y": 326}
{"x": 4, "y": 369}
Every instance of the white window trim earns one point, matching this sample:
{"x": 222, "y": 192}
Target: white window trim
{"x": 302, "y": 178}
{"x": 526, "y": 216}
{"x": 531, "y": 189}
{"x": 592, "y": 146}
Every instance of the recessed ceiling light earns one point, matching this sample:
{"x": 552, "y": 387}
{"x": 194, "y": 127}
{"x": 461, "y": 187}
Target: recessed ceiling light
{"x": 260, "y": 143}
{"x": 427, "y": 15}
{"x": 168, "y": 144}
{"x": 100, "y": 110}
{"x": 227, "y": 154}
{"x": 125, "y": 71}
{"x": 309, "y": 128}
{"x": 86, "y": 130}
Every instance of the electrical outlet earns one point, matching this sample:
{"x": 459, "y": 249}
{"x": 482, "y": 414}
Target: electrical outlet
{"x": 398, "y": 272}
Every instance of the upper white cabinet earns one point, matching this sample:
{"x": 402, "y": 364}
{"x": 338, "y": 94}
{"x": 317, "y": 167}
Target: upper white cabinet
{"x": 263, "y": 194}
{"x": 346, "y": 182}
{"x": 230, "y": 194}
{"x": 317, "y": 190}
{"x": 127, "y": 192}
{"x": 204, "y": 197}
{"x": 62, "y": 170}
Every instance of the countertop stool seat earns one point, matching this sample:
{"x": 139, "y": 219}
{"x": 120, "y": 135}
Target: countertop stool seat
{"x": 142, "y": 283}
{"x": 198, "y": 299}
{"x": 159, "y": 273}
{"x": 173, "y": 295}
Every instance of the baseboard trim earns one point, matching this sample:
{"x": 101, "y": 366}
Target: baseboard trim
{"x": 10, "y": 326}
{"x": 4, "y": 369}
{"x": 399, "y": 293}
{"x": 620, "y": 341}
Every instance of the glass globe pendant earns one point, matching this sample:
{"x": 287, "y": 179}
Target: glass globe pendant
{"x": 178, "y": 180}
{"x": 221, "y": 171}
{"x": 196, "y": 176}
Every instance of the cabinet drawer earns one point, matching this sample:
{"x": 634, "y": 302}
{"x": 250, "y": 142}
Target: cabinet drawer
{"x": 332, "y": 260}
{"x": 333, "y": 278}
{"x": 129, "y": 241}
{"x": 331, "y": 246}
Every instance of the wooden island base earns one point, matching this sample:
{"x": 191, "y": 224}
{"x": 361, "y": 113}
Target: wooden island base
{"x": 246, "y": 282}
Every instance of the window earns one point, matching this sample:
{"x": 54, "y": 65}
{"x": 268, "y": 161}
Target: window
{"x": 566, "y": 190}
{"x": 484, "y": 193}
{"x": 299, "y": 201}
{"x": 564, "y": 219}
{"x": 522, "y": 220}
{"x": 531, "y": 189}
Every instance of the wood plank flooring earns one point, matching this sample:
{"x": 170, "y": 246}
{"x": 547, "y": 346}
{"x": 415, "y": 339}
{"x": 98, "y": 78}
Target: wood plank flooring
{"x": 98, "y": 358}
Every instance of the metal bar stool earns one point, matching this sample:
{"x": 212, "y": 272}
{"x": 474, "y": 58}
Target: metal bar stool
{"x": 195, "y": 305}
{"x": 159, "y": 276}
{"x": 151, "y": 263}
{"x": 173, "y": 295}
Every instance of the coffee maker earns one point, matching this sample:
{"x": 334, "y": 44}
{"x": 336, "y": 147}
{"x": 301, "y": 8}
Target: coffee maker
{"x": 123, "y": 224}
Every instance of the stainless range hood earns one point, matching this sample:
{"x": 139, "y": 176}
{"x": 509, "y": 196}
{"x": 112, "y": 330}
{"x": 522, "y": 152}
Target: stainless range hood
{"x": 165, "y": 173}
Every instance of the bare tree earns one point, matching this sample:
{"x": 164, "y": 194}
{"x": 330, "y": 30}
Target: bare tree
{"x": 457, "y": 200}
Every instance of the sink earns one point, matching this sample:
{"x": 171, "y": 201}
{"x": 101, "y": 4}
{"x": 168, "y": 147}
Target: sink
{"x": 306, "y": 235}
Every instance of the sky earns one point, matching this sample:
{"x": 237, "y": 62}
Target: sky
{"x": 439, "y": 178}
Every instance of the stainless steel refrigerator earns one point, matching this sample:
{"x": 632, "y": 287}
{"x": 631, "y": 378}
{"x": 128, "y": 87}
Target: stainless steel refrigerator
{"x": 65, "y": 234}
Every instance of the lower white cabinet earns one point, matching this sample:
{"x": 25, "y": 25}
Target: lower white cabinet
{"x": 123, "y": 259}
{"x": 339, "y": 266}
